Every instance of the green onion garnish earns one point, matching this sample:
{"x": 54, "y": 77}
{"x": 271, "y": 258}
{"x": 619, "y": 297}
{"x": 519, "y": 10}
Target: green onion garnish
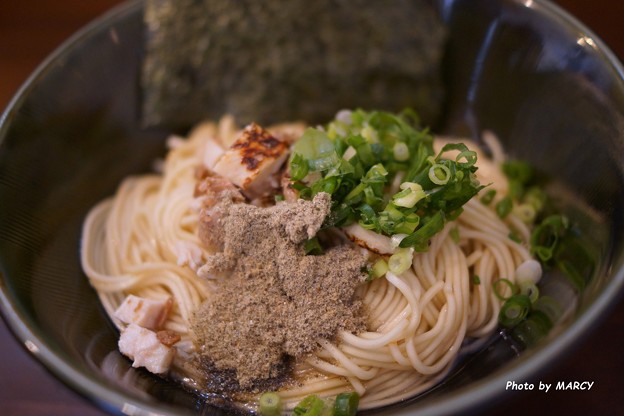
{"x": 514, "y": 310}
{"x": 357, "y": 156}
{"x": 409, "y": 195}
{"x": 346, "y": 404}
{"x": 488, "y": 197}
{"x": 270, "y": 404}
{"x": 439, "y": 174}
{"x": 529, "y": 289}
{"x": 379, "y": 269}
{"x": 535, "y": 327}
{"x": 400, "y": 261}
{"x": 504, "y": 207}
{"x": 546, "y": 235}
{"x": 536, "y": 197}
{"x": 312, "y": 247}
{"x": 401, "y": 152}
{"x": 574, "y": 258}
{"x": 526, "y": 213}
{"x": 311, "y": 405}
{"x": 298, "y": 167}
{"x": 420, "y": 238}
{"x": 519, "y": 174}
{"x": 498, "y": 286}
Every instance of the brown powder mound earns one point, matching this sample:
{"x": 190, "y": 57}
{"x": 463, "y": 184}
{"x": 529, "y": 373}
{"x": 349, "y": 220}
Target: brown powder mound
{"x": 274, "y": 302}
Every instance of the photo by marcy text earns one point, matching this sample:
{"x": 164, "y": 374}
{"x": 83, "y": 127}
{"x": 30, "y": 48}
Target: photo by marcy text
{"x": 546, "y": 387}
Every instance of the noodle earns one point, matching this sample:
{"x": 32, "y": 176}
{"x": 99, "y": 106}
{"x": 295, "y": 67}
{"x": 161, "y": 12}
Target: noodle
{"x": 144, "y": 241}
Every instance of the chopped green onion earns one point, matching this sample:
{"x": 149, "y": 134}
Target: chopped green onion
{"x": 370, "y": 134}
{"x": 406, "y": 224}
{"x": 410, "y": 195}
{"x": 465, "y": 153}
{"x": 536, "y": 197}
{"x": 312, "y": 247}
{"x": 529, "y": 289}
{"x": 535, "y": 327}
{"x": 323, "y": 162}
{"x": 363, "y": 149}
{"x": 379, "y": 269}
{"x": 313, "y": 144}
{"x": 270, "y": 404}
{"x": 354, "y": 161}
{"x": 298, "y": 167}
{"x": 346, "y": 404}
{"x": 488, "y": 197}
{"x": 401, "y": 260}
{"x": 401, "y": 151}
{"x": 311, "y": 405}
{"x": 525, "y": 212}
{"x": 575, "y": 260}
{"x": 476, "y": 280}
{"x": 329, "y": 184}
{"x": 376, "y": 174}
{"x": 550, "y": 307}
{"x": 349, "y": 153}
{"x": 546, "y": 235}
{"x": 469, "y": 156}
{"x": 504, "y": 207}
{"x": 355, "y": 194}
{"x": 514, "y": 310}
{"x": 439, "y": 174}
{"x": 499, "y": 288}
{"x": 419, "y": 239}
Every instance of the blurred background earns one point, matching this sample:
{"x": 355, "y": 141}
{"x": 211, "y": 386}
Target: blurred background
{"x": 31, "y": 29}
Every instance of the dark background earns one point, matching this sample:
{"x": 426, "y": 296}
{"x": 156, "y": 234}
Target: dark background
{"x": 31, "y": 29}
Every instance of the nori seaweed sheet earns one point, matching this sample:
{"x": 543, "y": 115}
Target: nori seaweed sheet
{"x": 269, "y": 61}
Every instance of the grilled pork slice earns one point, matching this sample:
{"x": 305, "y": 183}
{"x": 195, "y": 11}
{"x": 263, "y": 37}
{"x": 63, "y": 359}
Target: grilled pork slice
{"x": 148, "y": 313}
{"x": 253, "y": 161}
{"x": 145, "y": 348}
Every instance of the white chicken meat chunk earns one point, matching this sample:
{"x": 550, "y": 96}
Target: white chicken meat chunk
{"x": 145, "y": 348}
{"x": 148, "y": 313}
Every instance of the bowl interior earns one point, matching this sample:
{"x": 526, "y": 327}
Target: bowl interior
{"x": 543, "y": 84}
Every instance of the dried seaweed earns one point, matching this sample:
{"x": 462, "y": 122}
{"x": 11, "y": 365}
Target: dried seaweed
{"x": 283, "y": 60}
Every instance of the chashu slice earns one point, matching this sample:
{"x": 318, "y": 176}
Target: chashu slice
{"x": 253, "y": 161}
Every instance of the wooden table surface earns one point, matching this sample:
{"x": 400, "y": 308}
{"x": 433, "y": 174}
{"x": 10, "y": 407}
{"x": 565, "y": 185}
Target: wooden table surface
{"x": 31, "y": 29}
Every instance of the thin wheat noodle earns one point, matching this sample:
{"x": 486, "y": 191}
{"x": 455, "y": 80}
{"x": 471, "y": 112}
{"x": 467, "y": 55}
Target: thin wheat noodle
{"x": 144, "y": 241}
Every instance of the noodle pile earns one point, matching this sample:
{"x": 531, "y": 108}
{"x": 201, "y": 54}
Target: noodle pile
{"x": 143, "y": 241}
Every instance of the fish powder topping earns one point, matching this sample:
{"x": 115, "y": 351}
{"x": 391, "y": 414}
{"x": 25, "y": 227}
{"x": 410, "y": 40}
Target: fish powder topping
{"x": 272, "y": 301}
